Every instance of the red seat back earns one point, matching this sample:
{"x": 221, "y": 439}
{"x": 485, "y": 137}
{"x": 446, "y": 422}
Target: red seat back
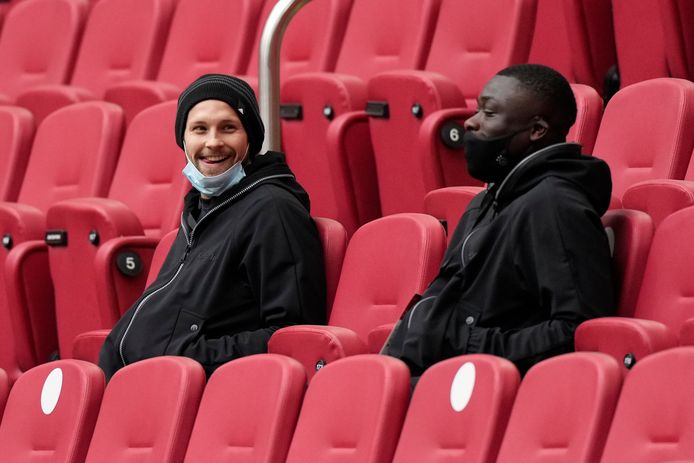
{"x": 148, "y": 177}
{"x": 590, "y": 108}
{"x": 63, "y": 167}
{"x": 646, "y": 133}
{"x": 148, "y": 412}
{"x": 630, "y": 233}
{"x": 654, "y": 419}
{"x": 50, "y": 413}
{"x": 678, "y": 17}
{"x": 16, "y": 136}
{"x": 202, "y": 39}
{"x": 563, "y": 409}
{"x": 38, "y": 43}
{"x": 352, "y": 412}
{"x": 123, "y": 40}
{"x": 666, "y": 278}
{"x": 254, "y": 423}
{"x": 387, "y": 261}
{"x": 333, "y": 237}
{"x": 460, "y": 405}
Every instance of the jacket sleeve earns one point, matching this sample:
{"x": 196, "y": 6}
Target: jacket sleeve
{"x": 564, "y": 260}
{"x": 282, "y": 259}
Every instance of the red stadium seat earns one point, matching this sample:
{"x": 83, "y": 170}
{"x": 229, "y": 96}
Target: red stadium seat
{"x": 464, "y": 55}
{"x": 646, "y": 133}
{"x": 654, "y": 420}
{"x": 248, "y": 411}
{"x": 576, "y": 38}
{"x": 16, "y": 136}
{"x": 118, "y": 45}
{"x": 563, "y": 410}
{"x": 59, "y": 167}
{"x": 459, "y": 411}
{"x": 50, "y": 413}
{"x": 352, "y": 412}
{"x": 38, "y": 44}
{"x": 325, "y": 129}
{"x": 387, "y": 262}
{"x": 148, "y": 412}
{"x": 311, "y": 41}
{"x": 145, "y": 198}
{"x": 589, "y": 113}
{"x": 201, "y": 40}
{"x": 5, "y": 386}
{"x": 87, "y": 345}
{"x": 662, "y": 308}
{"x": 333, "y": 236}
{"x": 678, "y": 17}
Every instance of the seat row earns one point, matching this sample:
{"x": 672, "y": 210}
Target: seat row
{"x": 472, "y": 408}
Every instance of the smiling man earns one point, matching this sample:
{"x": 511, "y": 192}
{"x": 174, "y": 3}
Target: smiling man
{"x": 529, "y": 260}
{"x": 247, "y": 259}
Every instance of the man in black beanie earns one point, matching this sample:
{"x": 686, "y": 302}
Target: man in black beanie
{"x": 247, "y": 259}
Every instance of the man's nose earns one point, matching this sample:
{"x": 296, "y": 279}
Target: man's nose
{"x": 213, "y": 139}
{"x": 471, "y": 123}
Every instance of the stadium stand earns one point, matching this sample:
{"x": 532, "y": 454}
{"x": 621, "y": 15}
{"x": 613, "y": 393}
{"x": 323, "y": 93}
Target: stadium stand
{"x": 148, "y": 411}
{"x": 324, "y": 126}
{"x": 145, "y": 199}
{"x": 50, "y": 413}
{"x": 563, "y": 410}
{"x": 116, "y": 46}
{"x": 352, "y": 412}
{"x": 38, "y": 44}
{"x": 662, "y": 309}
{"x": 84, "y": 167}
{"x": 386, "y": 263}
{"x": 459, "y": 411}
{"x": 267, "y": 394}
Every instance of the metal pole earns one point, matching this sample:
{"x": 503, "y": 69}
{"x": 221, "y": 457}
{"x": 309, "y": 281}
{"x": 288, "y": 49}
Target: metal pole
{"x": 269, "y": 72}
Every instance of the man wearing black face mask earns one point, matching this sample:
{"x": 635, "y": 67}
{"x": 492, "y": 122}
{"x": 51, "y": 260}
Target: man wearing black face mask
{"x": 529, "y": 260}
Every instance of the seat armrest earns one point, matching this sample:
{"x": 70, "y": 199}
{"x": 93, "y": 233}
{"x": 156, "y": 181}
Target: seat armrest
{"x": 44, "y": 99}
{"x": 687, "y": 333}
{"x": 88, "y": 345}
{"x": 378, "y": 337}
{"x": 316, "y": 345}
{"x": 626, "y": 339}
{"x": 134, "y": 96}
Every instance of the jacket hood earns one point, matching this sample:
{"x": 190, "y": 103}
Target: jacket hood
{"x": 270, "y": 167}
{"x": 563, "y": 160}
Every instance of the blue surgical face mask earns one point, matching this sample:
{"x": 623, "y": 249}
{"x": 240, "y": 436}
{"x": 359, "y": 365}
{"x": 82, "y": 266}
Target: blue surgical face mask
{"x": 217, "y": 184}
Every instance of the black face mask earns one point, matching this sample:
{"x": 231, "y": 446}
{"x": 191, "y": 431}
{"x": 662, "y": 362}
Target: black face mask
{"x": 488, "y": 159}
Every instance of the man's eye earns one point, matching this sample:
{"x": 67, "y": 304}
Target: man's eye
{"x": 198, "y": 129}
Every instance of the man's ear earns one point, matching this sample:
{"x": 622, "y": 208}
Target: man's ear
{"x": 539, "y": 129}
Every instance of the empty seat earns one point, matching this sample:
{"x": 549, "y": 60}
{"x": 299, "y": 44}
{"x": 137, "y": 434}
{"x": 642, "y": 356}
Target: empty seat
{"x": 148, "y": 411}
{"x": 16, "y": 136}
{"x": 50, "y": 413}
{"x": 145, "y": 198}
{"x": 74, "y": 154}
{"x": 38, "y": 44}
{"x": 199, "y": 42}
{"x": 248, "y": 411}
{"x": 654, "y": 419}
{"x": 123, "y": 40}
{"x": 386, "y": 263}
{"x": 352, "y": 412}
{"x": 459, "y": 411}
{"x": 661, "y": 310}
{"x": 465, "y": 53}
{"x": 325, "y": 129}
{"x": 645, "y": 132}
{"x": 563, "y": 410}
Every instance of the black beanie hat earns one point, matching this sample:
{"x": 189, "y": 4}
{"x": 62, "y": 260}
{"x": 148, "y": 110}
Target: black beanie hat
{"x": 233, "y": 91}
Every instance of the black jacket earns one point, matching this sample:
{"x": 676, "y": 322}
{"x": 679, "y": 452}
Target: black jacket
{"x": 252, "y": 264}
{"x": 528, "y": 262}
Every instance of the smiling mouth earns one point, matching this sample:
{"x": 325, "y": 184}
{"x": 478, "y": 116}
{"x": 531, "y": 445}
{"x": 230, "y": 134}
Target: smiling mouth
{"x": 214, "y": 159}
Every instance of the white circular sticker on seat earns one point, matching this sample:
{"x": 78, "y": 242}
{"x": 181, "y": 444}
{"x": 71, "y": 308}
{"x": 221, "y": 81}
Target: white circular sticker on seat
{"x": 51, "y": 391}
{"x": 462, "y": 386}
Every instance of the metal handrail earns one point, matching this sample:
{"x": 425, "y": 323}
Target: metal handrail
{"x": 269, "y": 69}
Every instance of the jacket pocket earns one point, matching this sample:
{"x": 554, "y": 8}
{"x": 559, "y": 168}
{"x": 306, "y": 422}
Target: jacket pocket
{"x": 187, "y": 330}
